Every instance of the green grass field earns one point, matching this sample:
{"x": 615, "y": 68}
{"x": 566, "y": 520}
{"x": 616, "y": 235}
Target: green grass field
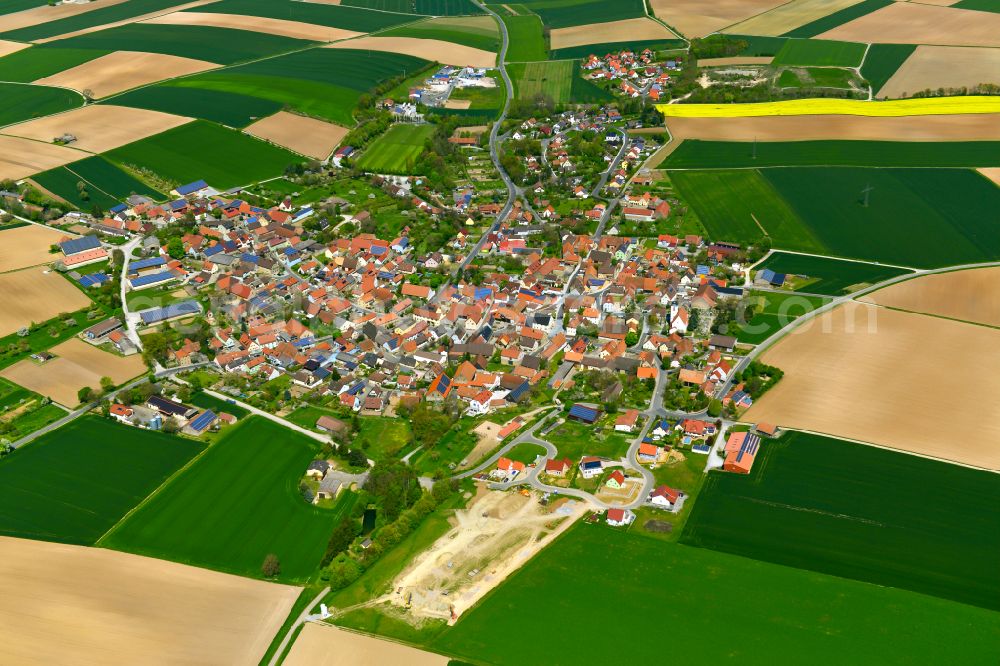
{"x": 838, "y": 18}
{"x": 11, "y": 6}
{"x": 227, "y": 108}
{"x": 602, "y": 584}
{"x": 816, "y": 77}
{"x": 223, "y": 157}
{"x": 207, "y": 401}
{"x": 817, "y": 52}
{"x": 566, "y": 13}
{"x": 979, "y": 5}
{"x": 318, "y": 82}
{"x": 21, "y": 102}
{"x": 882, "y": 62}
{"x": 75, "y": 483}
{"x": 833, "y": 277}
{"x": 348, "y": 18}
{"x": 773, "y": 312}
{"x": 823, "y": 504}
{"x": 40, "y": 61}
{"x": 527, "y": 43}
{"x": 479, "y": 32}
{"x": 603, "y": 48}
{"x": 96, "y": 17}
{"x": 552, "y": 79}
{"x": 697, "y": 154}
{"x": 105, "y": 184}
{"x": 396, "y": 151}
{"x": 728, "y": 202}
{"x": 435, "y": 7}
{"x": 915, "y": 217}
{"x": 219, "y": 45}
{"x": 238, "y": 503}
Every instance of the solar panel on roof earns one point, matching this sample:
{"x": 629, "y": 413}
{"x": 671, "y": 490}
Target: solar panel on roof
{"x": 203, "y": 420}
{"x": 151, "y": 279}
{"x": 78, "y": 245}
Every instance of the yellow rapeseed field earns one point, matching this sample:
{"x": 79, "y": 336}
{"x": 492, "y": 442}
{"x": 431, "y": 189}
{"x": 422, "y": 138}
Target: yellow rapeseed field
{"x": 852, "y": 107}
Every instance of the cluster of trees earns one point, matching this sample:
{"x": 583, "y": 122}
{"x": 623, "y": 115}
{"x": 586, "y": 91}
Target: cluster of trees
{"x": 88, "y": 394}
{"x": 427, "y": 423}
{"x": 979, "y": 89}
{"x": 718, "y": 46}
{"x": 758, "y": 378}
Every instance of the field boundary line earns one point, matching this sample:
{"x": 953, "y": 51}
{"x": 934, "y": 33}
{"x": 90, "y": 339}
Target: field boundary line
{"x": 156, "y": 491}
{"x": 931, "y": 314}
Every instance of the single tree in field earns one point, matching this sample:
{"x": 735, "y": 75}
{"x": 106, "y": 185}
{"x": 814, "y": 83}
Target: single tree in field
{"x": 271, "y": 566}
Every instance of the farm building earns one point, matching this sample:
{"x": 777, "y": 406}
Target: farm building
{"x": 202, "y": 422}
{"x": 151, "y": 280}
{"x": 741, "y": 449}
{"x": 620, "y": 517}
{"x": 769, "y": 277}
{"x": 99, "y": 331}
{"x": 722, "y": 342}
{"x": 584, "y": 414}
{"x": 170, "y": 408}
{"x": 154, "y": 316}
{"x": 331, "y": 424}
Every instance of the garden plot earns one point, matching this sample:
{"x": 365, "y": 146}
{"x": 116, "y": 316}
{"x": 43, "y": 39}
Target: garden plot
{"x": 616, "y": 31}
{"x": 273, "y": 26}
{"x": 25, "y": 246}
{"x": 490, "y": 540}
{"x": 20, "y": 158}
{"x": 306, "y": 136}
{"x": 98, "y": 128}
{"x": 35, "y": 294}
{"x": 447, "y": 53}
{"x": 124, "y": 70}
{"x": 943, "y": 67}
{"x": 971, "y": 295}
{"x": 697, "y": 18}
{"x": 788, "y": 16}
{"x": 913, "y": 23}
{"x": 78, "y": 364}
{"x": 92, "y": 605}
{"x": 905, "y": 381}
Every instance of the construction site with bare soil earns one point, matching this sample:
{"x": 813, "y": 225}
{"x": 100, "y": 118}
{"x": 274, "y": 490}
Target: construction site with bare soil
{"x": 497, "y": 534}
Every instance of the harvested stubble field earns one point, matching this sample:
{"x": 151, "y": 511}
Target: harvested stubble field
{"x": 905, "y": 381}
{"x": 123, "y": 70}
{"x": 696, "y": 18}
{"x": 35, "y": 294}
{"x": 8, "y": 47}
{"x": 78, "y": 364}
{"x": 25, "y": 246}
{"x": 307, "y": 136}
{"x": 944, "y": 67}
{"x": 447, "y": 53}
{"x": 98, "y": 128}
{"x": 273, "y": 26}
{"x": 49, "y": 13}
{"x": 103, "y": 607}
{"x": 969, "y": 295}
{"x": 615, "y": 31}
{"x": 916, "y": 23}
{"x": 326, "y": 645}
{"x": 824, "y": 504}
{"x": 73, "y": 484}
{"x": 788, "y": 16}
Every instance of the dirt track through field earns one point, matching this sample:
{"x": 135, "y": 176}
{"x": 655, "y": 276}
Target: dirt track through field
{"x": 47, "y": 13}
{"x": 98, "y": 128}
{"x": 697, "y": 18}
{"x": 307, "y": 136}
{"x": 124, "y": 70}
{"x": 20, "y": 158}
{"x": 911, "y": 382}
{"x": 611, "y": 31}
{"x": 447, "y": 53}
{"x": 272, "y": 26}
{"x": 326, "y": 645}
{"x": 965, "y": 127}
{"x": 911, "y": 23}
{"x": 29, "y": 245}
{"x": 78, "y": 364}
{"x": 972, "y": 295}
{"x": 943, "y": 67}
{"x": 64, "y": 604}
{"x": 789, "y": 16}
{"x": 34, "y": 295}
